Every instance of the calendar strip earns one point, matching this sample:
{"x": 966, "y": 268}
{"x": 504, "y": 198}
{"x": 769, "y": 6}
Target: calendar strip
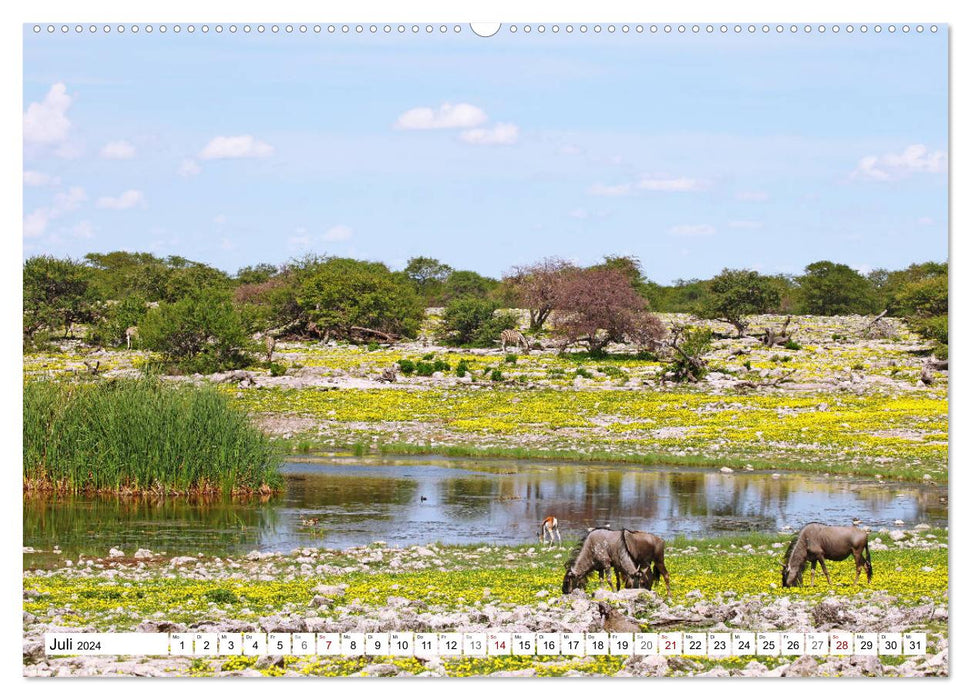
{"x": 426, "y": 644}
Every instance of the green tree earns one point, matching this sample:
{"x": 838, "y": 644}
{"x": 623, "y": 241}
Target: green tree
{"x": 202, "y": 332}
{"x": 428, "y": 275}
{"x": 473, "y": 320}
{"x": 463, "y": 283}
{"x": 924, "y": 303}
{"x": 833, "y": 289}
{"x": 110, "y": 329}
{"x": 57, "y": 293}
{"x": 735, "y": 294}
{"x": 342, "y": 293}
{"x": 255, "y": 274}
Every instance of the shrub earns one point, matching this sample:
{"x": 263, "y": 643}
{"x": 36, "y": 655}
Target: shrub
{"x": 110, "y": 330}
{"x": 200, "y": 333}
{"x": 581, "y": 372}
{"x": 277, "y": 369}
{"x": 496, "y": 375}
{"x": 424, "y": 369}
{"x": 407, "y": 366}
{"x": 511, "y": 359}
{"x": 141, "y": 435}
{"x": 792, "y": 345}
{"x": 338, "y": 294}
{"x": 441, "y": 366}
{"x": 57, "y": 293}
{"x": 462, "y": 368}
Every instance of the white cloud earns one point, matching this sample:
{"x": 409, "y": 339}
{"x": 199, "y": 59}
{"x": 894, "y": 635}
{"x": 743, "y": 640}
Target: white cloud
{"x": 236, "y": 147}
{"x": 692, "y": 230}
{"x": 448, "y": 116}
{"x": 118, "y": 150}
{"x": 35, "y": 223}
{"x": 84, "y": 229}
{"x": 670, "y": 184}
{"x": 745, "y": 224}
{"x": 70, "y": 200}
{"x": 32, "y": 178}
{"x": 189, "y": 168}
{"x": 895, "y": 166}
{"x": 580, "y": 214}
{"x": 126, "y": 200}
{"x": 498, "y": 135}
{"x": 649, "y": 183}
{"x": 752, "y": 196}
{"x": 609, "y": 190}
{"x": 46, "y": 121}
{"x": 338, "y": 233}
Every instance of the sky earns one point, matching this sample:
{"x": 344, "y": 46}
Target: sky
{"x": 691, "y": 152}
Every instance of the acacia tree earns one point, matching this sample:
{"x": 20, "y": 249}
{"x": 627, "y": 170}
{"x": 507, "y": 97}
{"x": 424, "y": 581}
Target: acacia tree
{"x": 537, "y": 286}
{"x": 833, "y": 289}
{"x": 598, "y": 306}
{"x": 56, "y": 294}
{"x": 735, "y": 294}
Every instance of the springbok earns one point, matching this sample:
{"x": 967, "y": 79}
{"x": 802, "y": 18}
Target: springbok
{"x": 131, "y": 333}
{"x": 514, "y": 338}
{"x": 817, "y": 543}
{"x": 549, "y": 527}
{"x": 270, "y": 345}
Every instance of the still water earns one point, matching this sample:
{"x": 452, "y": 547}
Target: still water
{"x": 427, "y": 500}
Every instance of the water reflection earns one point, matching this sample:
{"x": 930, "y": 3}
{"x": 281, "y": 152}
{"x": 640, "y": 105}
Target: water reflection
{"x": 459, "y": 501}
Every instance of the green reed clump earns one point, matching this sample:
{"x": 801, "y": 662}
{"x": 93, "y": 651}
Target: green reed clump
{"x": 142, "y": 435}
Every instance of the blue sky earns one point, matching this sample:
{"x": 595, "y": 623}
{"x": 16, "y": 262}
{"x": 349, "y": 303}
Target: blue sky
{"x": 693, "y": 152}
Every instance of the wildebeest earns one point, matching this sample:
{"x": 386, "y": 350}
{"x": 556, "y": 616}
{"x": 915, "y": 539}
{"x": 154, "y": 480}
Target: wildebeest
{"x": 600, "y": 550}
{"x": 514, "y": 338}
{"x": 549, "y": 527}
{"x": 816, "y": 543}
{"x": 647, "y": 551}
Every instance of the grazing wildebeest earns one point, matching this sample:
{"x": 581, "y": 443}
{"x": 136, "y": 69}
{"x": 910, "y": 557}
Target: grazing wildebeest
{"x": 515, "y": 338}
{"x": 817, "y": 543}
{"x": 647, "y": 551}
{"x": 549, "y": 527}
{"x": 600, "y": 550}
{"x": 131, "y": 333}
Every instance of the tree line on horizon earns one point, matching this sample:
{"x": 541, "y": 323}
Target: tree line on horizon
{"x": 187, "y": 309}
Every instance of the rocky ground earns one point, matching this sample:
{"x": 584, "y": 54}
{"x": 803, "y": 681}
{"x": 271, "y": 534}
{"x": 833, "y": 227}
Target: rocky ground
{"x": 718, "y": 585}
{"x": 844, "y": 399}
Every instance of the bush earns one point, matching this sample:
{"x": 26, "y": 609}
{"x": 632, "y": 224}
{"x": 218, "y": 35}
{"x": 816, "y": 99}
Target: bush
{"x": 407, "y": 366}
{"x": 462, "y": 368}
{"x": 792, "y": 345}
{"x": 201, "y": 333}
{"x": 511, "y": 359}
{"x": 57, "y": 293}
{"x": 339, "y": 294}
{"x": 277, "y": 369}
{"x": 110, "y": 330}
{"x": 141, "y": 435}
{"x": 424, "y": 369}
{"x": 473, "y": 321}
{"x": 496, "y": 375}
{"x": 581, "y": 372}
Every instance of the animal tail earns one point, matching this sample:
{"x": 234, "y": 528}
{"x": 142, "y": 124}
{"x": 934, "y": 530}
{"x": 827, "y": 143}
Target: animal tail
{"x": 869, "y": 564}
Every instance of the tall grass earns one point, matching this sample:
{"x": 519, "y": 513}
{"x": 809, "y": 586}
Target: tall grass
{"x": 140, "y": 435}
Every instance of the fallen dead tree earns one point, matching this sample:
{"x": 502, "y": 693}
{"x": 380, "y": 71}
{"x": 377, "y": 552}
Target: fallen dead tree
{"x": 773, "y": 337}
{"x": 929, "y": 367}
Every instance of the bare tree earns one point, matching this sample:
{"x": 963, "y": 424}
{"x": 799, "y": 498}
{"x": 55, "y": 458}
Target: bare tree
{"x": 598, "y": 306}
{"x": 537, "y": 286}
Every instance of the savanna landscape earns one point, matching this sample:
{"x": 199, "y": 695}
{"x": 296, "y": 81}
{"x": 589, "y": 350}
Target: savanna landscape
{"x": 150, "y": 381}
